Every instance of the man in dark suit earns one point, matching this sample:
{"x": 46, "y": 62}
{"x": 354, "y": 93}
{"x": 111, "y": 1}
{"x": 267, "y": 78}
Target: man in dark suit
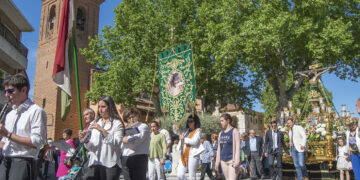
{"x": 274, "y": 142}
{"x": 253, "y": 151}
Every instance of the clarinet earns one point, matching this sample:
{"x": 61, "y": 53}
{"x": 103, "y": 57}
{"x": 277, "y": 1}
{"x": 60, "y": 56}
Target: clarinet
{"x": 3, "y": 112}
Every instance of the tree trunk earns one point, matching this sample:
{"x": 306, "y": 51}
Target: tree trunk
{"x": 156, "y": 101}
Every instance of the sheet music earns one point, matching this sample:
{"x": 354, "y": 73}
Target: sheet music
{"x": 64, "y": 146}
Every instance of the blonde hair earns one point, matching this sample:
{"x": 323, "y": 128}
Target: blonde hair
{"x": 203, "y": 136}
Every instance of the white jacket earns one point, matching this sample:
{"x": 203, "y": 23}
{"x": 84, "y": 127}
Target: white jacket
{"x": 356, "y": 137}
{"x": 194, "y": 142}
{"x": 299, "y": 138}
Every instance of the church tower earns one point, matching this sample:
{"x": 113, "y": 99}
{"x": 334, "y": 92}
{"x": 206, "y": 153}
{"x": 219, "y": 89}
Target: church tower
{"x": 46, "y": 93}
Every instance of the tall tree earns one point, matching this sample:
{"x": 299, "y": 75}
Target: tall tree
{"x": 282, "y": 37}
{"x": 126, "y": 51}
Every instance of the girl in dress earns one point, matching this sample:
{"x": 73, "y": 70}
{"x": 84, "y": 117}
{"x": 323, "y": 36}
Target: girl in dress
{"x": 343, "y": 160}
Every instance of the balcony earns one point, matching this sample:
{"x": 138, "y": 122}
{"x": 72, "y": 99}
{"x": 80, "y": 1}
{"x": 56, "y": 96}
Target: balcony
{"x": 6, "y": 34}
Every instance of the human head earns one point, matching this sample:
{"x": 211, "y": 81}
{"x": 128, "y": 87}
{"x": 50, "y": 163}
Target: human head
{"x": 174, "y": 79}
{"x": 244, "y": 135}
{"x": 341, "y": 141}
{"x": 203, "y": 137}
{"x": 16, "y": 88}
{"x": 107, "y": 108}
{"x": 89, "y": 115}
{"x": 134, "y": 115}
{"x": 193, "y": 122}
{"x": 67, "y": 134}
{"x": 252, "y": 133}
{"x": 274, "y": 125}
{"x": 290, "y": 123}
{"x": 226, "y": 120}
{"x": 353, "y": 123}
{"x": 158, "y": 121}
{"x": 154, "y": 126}
{"x": 214, "y": 137}
{"x": 77, "y": 161}
{"x": 176, "y": 141}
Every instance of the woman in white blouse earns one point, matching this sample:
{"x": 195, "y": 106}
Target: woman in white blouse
{"x": 104, "y": 143}
{"x": 192, "y": 147}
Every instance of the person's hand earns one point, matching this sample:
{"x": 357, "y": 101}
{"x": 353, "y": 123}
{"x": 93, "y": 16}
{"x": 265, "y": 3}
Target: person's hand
{"x": 96, "y": 126}
{"x": 246, "y": 156}
{"x": 162, "y": 162}
{"x": 125, "y": 140}
{"x": 82, "y": 133}
{"x": 266, "y": 154}
{"x": 212, "y": 158}
{"x": 3, "y": 131}
{"x": 217, "y": 167}
{"x": 181, "y": 137}
{"x": 302, "y": 147}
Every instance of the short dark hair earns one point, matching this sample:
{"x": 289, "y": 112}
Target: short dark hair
{"x": 273, "y": 122}
{"x": 68, "y": 132}
{"x": 290, "y": 119}
{"x": 18, "y": 81}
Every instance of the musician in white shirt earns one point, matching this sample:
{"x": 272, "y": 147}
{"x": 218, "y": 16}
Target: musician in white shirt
{"x": 104, "y": 143}
{"x": 135, "y": 148}
{"x": 23, "y": 133}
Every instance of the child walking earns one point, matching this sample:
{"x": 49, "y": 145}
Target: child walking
{"x": 343, "y": 160}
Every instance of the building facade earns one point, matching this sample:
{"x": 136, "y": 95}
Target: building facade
{"x": 46, "y": 93}
{"x": 13, "y": 54}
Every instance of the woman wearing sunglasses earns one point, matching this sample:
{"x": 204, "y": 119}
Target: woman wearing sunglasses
{"x": 104, "y": 143}
{"x": 190, "y": 146}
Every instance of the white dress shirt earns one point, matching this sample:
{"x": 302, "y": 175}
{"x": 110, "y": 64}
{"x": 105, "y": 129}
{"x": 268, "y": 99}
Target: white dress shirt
{"x": 138, "y": 143}
{"x": 27, "y": 120}
{"x": 105, "y": 151}
{"x": 274, "y": 137}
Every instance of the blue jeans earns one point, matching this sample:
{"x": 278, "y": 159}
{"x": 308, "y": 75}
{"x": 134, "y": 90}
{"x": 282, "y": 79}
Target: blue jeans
{"x": 299, "y": 163}
{"x": 355, "y": 161}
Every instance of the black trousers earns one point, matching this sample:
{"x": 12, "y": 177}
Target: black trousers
{"x": 205, "y": 168}
{"x": 17, "y": 169}
{"x": 98, "y": 172}
{"x": 135, "y": 167}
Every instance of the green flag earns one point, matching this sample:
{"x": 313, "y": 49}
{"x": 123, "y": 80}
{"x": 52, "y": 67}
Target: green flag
{"x": 177, "y": 81}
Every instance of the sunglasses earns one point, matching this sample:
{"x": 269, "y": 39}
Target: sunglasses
{"x": 9, "y": 91}
{"x": 190, "y": 121}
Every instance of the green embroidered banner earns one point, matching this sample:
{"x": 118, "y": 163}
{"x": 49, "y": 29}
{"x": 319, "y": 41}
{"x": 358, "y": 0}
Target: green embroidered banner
{"x": 177, "y": 81}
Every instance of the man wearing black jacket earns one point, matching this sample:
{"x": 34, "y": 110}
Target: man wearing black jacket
{"x": 274, "y": 143}
{"x": 253, "y": 151}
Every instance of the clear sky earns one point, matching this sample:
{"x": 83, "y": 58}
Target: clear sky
{"x": 344, "y": 91}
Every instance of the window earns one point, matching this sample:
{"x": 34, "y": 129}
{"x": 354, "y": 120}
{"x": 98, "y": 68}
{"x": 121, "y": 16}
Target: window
{"x": 3, "y": 75}
{"x": 80, "y": 19}
{"x": 52, "y": 17}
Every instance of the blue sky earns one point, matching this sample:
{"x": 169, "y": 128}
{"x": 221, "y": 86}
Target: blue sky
{"x": 344, "y": 91}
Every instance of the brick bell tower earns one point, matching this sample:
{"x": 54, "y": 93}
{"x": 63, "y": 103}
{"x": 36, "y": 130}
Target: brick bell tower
{"x": 46, "y": 93}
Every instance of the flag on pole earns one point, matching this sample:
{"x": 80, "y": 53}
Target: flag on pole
{"x": 65, "y": 54}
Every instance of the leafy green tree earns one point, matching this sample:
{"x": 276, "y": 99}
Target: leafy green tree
{"x": 126, "y": 51}
{"x": 237, "y": 45}
{"x": 279, "y": 38}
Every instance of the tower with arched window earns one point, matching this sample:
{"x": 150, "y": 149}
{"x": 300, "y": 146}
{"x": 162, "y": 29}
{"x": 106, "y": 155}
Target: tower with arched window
{"x": 46, "y": 93}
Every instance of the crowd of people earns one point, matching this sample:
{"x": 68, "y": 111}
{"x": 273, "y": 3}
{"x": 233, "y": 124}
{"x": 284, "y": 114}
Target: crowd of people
{"x": 123, "y": 145}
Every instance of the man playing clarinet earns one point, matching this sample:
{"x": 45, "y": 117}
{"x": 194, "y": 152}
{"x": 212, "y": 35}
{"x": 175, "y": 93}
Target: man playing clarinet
{"x": 23, "y": 132}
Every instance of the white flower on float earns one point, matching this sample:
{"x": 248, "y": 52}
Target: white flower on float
{"x": 323, "y": 133}
{"x": 323, "y": 125}
{"x": 334, "y": 136}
